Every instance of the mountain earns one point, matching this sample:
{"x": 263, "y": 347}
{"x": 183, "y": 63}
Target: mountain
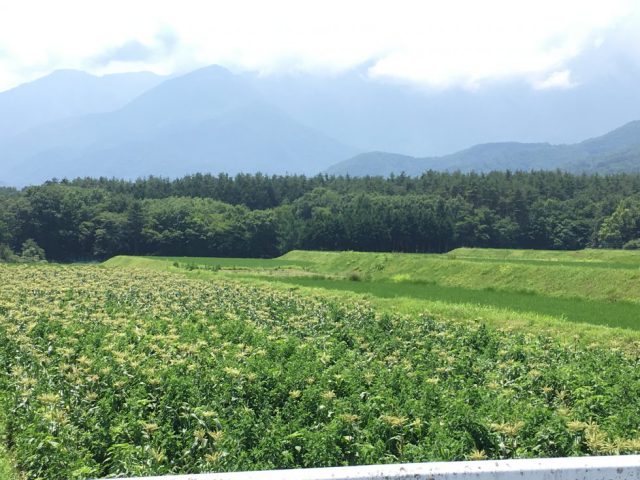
{"x": 616, "y": 151}
{"x": 68, "y": 93}
{"x": 209, "y": 120}
{"x": 71, "y": 123}
{"x": 379, "y": 114}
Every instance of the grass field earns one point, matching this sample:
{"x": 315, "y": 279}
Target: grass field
{"x": 569, "y": 279}
{"x": 611, "y": 258}
{"x": 617, "y": 314}
{"x": 7, "y": 471}
{"x": 136, "y": 371}
{"x": 541, "y": 288}
{"x": 591, "y": 274}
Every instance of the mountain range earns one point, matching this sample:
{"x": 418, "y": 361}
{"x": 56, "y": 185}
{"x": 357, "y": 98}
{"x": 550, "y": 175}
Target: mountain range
{"x": 68, "y": 93}
{"x": 71, "y": 124}
{"x": 616, "y": 151}
{"x": 206, "y": 121}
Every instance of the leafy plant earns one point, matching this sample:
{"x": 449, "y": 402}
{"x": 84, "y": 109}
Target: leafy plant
{"x": 113, "y": 372}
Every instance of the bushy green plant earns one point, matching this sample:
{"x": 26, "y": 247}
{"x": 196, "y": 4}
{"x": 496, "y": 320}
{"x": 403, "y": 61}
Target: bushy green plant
{"x": 632, "y": 244}
{"x": 32, "y": 252}
{"x": 6, "y": 254}
{"x": 355, "y": 276}
{"x": 131, "y": 372}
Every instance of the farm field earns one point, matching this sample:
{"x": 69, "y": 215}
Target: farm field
{"x": 132, "y": 371}
{"x": 591, "y": 274}
{"x": 556, "y": 274}
{"x": 558, "y": 288}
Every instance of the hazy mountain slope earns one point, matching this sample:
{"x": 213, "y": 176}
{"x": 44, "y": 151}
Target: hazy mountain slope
{"x": 302, "y": 124}
{"x": 621, "y": 138}
{"x": 382, "y": 115}
{"x": 68, "y": 93}
{"x": 616, "y": 151}
{"x": 627, "y": 161}
{"x": 380, "y": 163}
{"x": 209, "y": 120}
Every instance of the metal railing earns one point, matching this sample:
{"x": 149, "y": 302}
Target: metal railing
{"x": 625, "y": 467}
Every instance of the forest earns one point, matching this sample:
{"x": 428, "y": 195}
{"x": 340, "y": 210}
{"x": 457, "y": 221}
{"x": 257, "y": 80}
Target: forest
{"x": 265, "y": 216}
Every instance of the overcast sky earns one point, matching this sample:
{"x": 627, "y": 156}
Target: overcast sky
{"x": 439, "y": 44}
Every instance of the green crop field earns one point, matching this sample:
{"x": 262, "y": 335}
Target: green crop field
{"x": 126, "y": 371}
{"x": 156, "y": 365}
{"x": 600, "y": 288}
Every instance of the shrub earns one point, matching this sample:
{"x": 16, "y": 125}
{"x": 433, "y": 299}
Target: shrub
{"x": 632, "y": 244}
{"x": 355, "y": 276}
{"x": 32, "y": 252}
{"x": 6, "y": 254}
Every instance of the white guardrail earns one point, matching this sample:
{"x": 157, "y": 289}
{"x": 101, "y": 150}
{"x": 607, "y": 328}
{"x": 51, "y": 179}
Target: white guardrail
{"x": 623, "y": 467}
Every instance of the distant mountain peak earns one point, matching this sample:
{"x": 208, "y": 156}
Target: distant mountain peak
{"x": 68, "y": 72}
{"x": 210, "y": 70}
{"x": 67, "y": 93}
{"x": 210, "y": 120}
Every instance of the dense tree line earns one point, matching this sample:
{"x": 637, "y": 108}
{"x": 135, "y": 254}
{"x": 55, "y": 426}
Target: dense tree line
{"x": 262, "y": 216}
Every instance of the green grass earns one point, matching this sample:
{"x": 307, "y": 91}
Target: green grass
{"x": 587, "y": 258}
{"x": 613, "y": 314}
{"x": 162, "y": 263}
{"x": 238, "y": 263}
{"x": 507, "y": 319}
{"x": 628, "y": 257}
{"x": 7, "y": 467}
{"x": 530, "y": 290}
{"x": 7, "y": 471}
{"x": 544, "y": 278}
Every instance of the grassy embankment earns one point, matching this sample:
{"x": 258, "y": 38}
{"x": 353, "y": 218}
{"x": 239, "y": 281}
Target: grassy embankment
{"x": 534, "y": 290}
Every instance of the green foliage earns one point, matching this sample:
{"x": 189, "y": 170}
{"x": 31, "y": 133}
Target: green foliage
{"x": 125, "y": 372}
{"x": 32, "y": 252}
{"x": 632, "y": 244}
{"x": 622, "y": 226}
{"x": 259, "y": 216}
{"x": 6, "y": 254}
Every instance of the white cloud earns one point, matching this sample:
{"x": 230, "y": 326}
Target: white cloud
{"x": 437, "y": 43}
{"x": 561, "y": 79}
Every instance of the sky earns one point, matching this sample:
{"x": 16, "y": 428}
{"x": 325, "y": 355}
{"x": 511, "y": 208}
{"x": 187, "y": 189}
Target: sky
{"x": 437, "y": 44}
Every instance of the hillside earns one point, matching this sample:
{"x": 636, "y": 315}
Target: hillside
{"x": 68, "y": 93}
{"x": 71, "y": 124}
{"x": 615, "y": 152}
{"x": 207, "y": 121}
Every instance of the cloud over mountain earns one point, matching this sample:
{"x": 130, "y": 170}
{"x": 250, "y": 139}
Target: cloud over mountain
{"x": 458, "y": 43}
